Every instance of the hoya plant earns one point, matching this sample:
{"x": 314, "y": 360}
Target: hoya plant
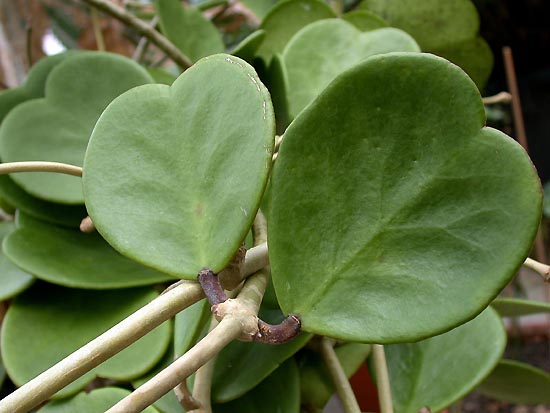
{"x": 243, "y": 236}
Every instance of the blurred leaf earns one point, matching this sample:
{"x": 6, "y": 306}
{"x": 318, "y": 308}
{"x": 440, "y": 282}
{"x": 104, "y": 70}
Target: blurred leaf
{"x": 13, "y": 280}
{"x": 516, "y": 307}
{"x": 364, "y": 20}
{"x": 247, "y": 49}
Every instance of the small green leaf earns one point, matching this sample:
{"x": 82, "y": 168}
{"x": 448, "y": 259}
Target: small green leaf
{"x": 324, "y": 49}
{"x": 161, "y": 76}
{"x": 187, "y": 28}
{"x": 285, "y": 19}
{"x": 47, "y": 323}
{"x": 440, "y": 370}
{"x": 13, "y": 280}
{"x": 517, "y": 383}
{"x": 74, "y": 259}
{"x": 279, "y": 392}
{"x": 247, "y": 49}
{"x": 58, "y": 126}
{"x": 364, "y": 20}
{"x": 188, "y": 326}
{"x": 97, "y": 401}
{"x": 402, "y": 203}
{"x": 516, "y": 307}
{"x": 174, "y": 175}
{"x": 316, "y": 385}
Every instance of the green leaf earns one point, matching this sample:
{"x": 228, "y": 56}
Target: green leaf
{"x": 259, "y": 7}
{"x": 401, "y": 204}
{"x": 2, "y": 374}
{"x": 333, "y": 45}
{"x": 237, "y": 367}
{"x": 285, "y": 19}
{"x": 57, "y": 127}
{"x": 440, "y": 370}
{"x": 364, "y": 20}
{"x": 187, "y": 28}
{"x": 60, "y": 214}
{"x": 174, "y": 175}
{"x": 517, "y": 383}
{"x": 189, "y": 325}
{"x": 316, "y": 385}
{"x": 247, "y": 49}
{"x": 516, "y": 307}
{"x": 13, "y": 280}
{"x": 161, "y": 76}
{"x": 74, "y": 259}
{"x": 97, "y": 401}
{"x": 279, "y": 392}
{"x": 47, "y": 323}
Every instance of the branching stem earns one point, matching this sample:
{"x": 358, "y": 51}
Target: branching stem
{"x": 40, "y": 166}
{"x": 502, "y": 97}
{"x": 382, "y": 378}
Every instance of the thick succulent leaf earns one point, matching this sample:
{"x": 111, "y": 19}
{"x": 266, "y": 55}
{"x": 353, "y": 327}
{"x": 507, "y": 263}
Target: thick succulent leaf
{"x": 316, "y": 385}
{"x": 237, "y": 367}
{"x": 433, "y": 23}
{"x": 516, "y": 307}
{"x": 187, "y": 28}
{"x": 174, "y": 175}
{"x": 74, "y": 259}
{"x": 279, "y": 392}
{"x": 97, "y": 401}
{"x": 285, "y": 19}
{"x": 389, "y": 194}
{"x": 58, "y": 126}
{"x": 60, "y": 214}
{"x": 13, "y": 279}
{"x": 517, "y": 383}
{"x": 259, "y": 7}
{"x": 440, "y": 370}
{"x": 189, "y": 325}
{"x": 364, "y": 20}
{"x": 324, "y": 49}
{"x": 47, "y": 323}
{"x": 161, "y": 76}
{"x": 247, "y": 49}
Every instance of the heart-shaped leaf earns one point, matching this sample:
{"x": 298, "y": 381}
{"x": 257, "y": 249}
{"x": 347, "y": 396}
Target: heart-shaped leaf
{"x": 97, "y": 401}
{"x": 324, "y": 49}
{"x": 516, "y": 307}
{"x": 389, "y": 195}
{"x": 58, "y": 126}
{"x": 364, "y": 20}
{"x": 74, "y": 259}
{"x": 517, "y": 383}
{"x": 47, "y": 323}
{"x": 285, "y": 19}
{"x": 187, "y": 28}
{"x": 279, "y": 392}
{"x": 247, "y": 49}
{"x": 174, "y": 175}
{"x": 13, "y": 280}
{"x": 440, "y": 370}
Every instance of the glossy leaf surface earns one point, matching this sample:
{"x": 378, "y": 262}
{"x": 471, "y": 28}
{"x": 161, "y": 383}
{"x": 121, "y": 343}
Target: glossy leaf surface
{"x": 13, "y": 279}
{"x": 440, "y": 370}
{"x": 74, "y": 259}
{"x": 47, "y": 323}
{"x": 516, "y": 307}
{"x": 399, "y": 202}
{"x": 58, "y": 126}
{"x": 517, "y": 383}
{"x": 174, "y": 175}
{"x": 97, "y": 401}
{"x": 324, "y": 49}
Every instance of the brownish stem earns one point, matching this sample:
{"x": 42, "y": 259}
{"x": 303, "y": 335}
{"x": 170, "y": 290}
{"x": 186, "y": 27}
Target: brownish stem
{"x": 211, "y": 286}
{"x": 280, "y": 333}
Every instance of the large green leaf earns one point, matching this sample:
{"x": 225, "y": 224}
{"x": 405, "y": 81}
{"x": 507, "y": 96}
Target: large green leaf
{"x": 324, "y": 49}
{"x": 58, "y": 126}
{"x": 516, "y": 307}
{"x": 187, "y": 28}
{"x": 389, "y": 195}
{"x": 74, "y": 259}
{"x": 440, "y": 370}
{"x": 316, "y": 385}
{"x": 174, "y": 175}
{"x": 13, "y": 279}
{"x": 517, "y": 383}
{"x": 285, "y": 19}
{"x": 278, "y": 393}
{"x": 47, "y": 323}
{"x": 97, "y": 401}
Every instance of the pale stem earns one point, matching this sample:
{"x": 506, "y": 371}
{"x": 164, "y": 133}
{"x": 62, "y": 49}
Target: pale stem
{"x": 338, "y": 376}
{"x": 96, "y": 24}
{"x": 382, "y": 378}
{"x": 144, "y": 29}
{"x": 40, "y": 166}
{"x": 184, "y": 397}
{"x": 542, "y": 269}
{"x": 502, "y": 97}
{"x": 87, "y": 225}
{"x": 256, "y": 258}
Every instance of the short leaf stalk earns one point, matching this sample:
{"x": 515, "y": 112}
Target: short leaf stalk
{"x": 40, "y": 166}
{"x": 542, "y": 269}
{"x": 382, "y": 378}
{"x": 341, "y": 383}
